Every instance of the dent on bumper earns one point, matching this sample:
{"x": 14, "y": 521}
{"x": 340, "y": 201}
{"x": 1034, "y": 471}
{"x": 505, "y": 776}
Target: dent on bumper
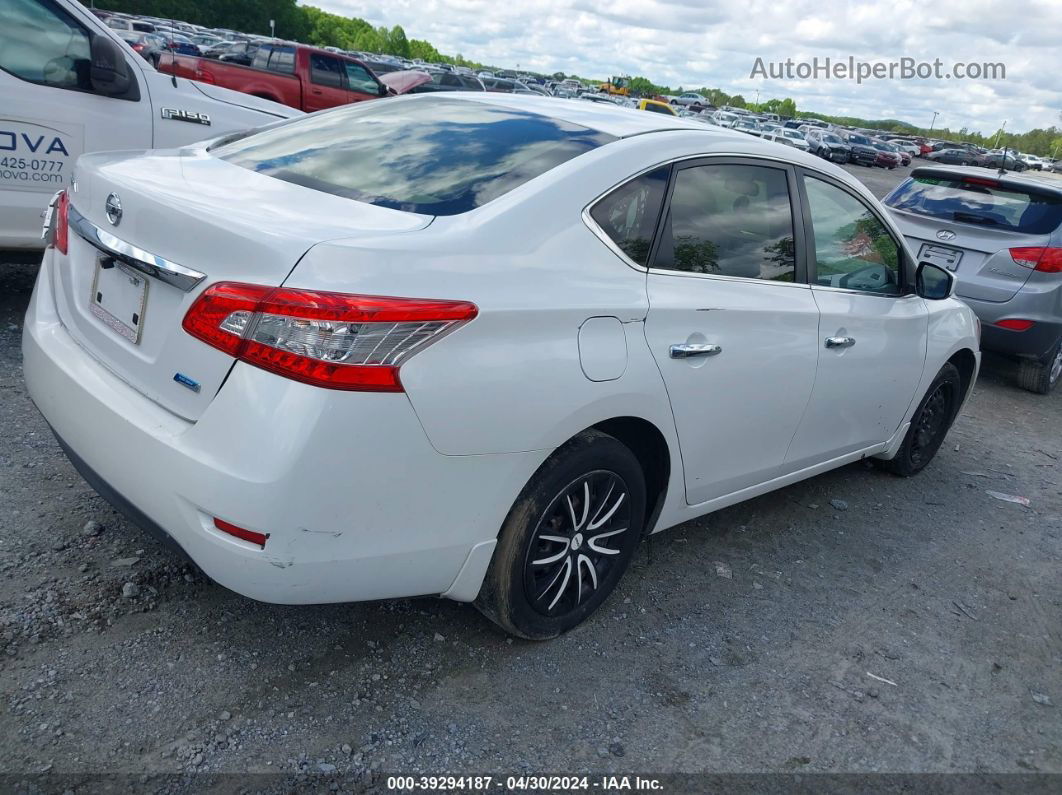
{"x": 357, "y": 503}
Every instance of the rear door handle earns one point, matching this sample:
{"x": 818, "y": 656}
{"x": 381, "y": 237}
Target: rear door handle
{"x": 840, "y": 342}
{"x": 689, "y": 350}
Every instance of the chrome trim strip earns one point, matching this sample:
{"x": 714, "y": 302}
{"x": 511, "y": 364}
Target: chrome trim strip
{"x": 847, "y": 291}
{"x": 144, "y": 261}
{"x": 723, "y": 277}
{"x": 593, "y": 226}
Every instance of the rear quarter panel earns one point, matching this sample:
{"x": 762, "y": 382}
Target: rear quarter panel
{"x": 511, "y": 380}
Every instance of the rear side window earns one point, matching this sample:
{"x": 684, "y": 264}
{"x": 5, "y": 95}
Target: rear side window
{"x": 282, "y": 60}
{"x": 630, "y": 213}
{"x": 982, "y": 201}
{"x": 435, "y": 155}
{"x": 730, "y": 220}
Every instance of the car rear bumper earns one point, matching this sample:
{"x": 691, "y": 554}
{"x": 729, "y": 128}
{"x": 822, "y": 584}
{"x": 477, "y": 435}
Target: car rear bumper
{"x": 1043, "y": 308}
{"x": 356, "y": 502}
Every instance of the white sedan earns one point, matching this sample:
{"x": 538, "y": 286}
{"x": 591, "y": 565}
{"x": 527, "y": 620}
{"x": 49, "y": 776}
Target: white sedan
{"x": 476, "y": 346}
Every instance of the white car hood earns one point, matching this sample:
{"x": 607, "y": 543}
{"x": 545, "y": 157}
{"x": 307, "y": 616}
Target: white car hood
{"x": 248, "y": 101}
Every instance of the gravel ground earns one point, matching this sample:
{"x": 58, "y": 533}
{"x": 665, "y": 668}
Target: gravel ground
{"x": 855, "y": 622}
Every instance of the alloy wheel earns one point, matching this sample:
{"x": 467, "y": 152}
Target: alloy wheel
{"x": 1056, "y": 366}
{"x": 577, "y": 544}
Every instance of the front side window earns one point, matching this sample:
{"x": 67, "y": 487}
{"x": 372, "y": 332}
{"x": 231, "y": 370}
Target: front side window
{"x": 730, "y": 220}
{"x": 359, "y": 79}
{"x": 853, "y": 248}
{"x": 326, "y": 71}
{"x": 41, "y": 43}
{"x": 630, "y": 213}
{"x": 436, "y": 156}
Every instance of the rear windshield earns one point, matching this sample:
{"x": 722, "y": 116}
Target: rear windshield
{"x": 434, "y": 156}
{"x": 979, "y": 202}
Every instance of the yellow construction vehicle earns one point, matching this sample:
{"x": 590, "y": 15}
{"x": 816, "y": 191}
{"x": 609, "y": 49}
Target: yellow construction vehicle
{"x": 617, "y": 86}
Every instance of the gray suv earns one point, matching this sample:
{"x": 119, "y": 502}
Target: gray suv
{"x": 1001, "y": 234}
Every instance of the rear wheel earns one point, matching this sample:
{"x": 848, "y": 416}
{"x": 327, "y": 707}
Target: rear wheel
{"x": 567, "y": 540}
{"x": 929, "y": 424}
{"x": 1041, "y": 376}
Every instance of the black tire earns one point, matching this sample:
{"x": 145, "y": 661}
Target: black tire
{"x": 527, "y": 591}
{"x": 929, "y": 424}
{"x": 1041, "y": 376}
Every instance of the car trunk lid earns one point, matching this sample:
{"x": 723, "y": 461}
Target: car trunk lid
{"x": 182, "y": 211}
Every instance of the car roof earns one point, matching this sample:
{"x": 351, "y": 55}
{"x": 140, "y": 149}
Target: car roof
{"x": 609, "y": 118}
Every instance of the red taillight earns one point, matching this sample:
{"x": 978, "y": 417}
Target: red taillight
{"x": 333, "y": 340}
{"x": 62, "y": 222}
{"x": 239, "y": 532}
{"x": 1039, "y": 258}
{"x": 1015, "y": 324}
{"x": 205, "y": 77}
{"x": 988, "y": 183}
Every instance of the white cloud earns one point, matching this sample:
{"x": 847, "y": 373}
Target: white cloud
{"x": 688, "y": 43}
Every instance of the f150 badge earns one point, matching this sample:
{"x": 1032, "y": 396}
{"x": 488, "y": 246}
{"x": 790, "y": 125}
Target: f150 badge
{"x": 176, "y": 114}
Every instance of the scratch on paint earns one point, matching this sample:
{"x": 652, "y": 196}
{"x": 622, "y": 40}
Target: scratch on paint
{"x": 333, "y": 533}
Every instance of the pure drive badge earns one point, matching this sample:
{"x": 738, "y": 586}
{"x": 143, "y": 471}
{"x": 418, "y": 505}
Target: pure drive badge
{"x": 176, "y": 114}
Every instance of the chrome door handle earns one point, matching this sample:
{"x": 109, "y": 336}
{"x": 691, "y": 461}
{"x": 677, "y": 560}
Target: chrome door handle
{"x": 840, "y": 342}
{"x": 688, "y": 350}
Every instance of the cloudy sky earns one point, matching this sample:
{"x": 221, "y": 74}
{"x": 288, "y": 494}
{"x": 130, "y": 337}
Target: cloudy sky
{"x": 692, "y": 43}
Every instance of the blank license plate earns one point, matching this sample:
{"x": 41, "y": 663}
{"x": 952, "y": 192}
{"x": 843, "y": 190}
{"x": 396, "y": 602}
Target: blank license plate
{"x": 939, "y": 255}
{"x": 119, "y": 295}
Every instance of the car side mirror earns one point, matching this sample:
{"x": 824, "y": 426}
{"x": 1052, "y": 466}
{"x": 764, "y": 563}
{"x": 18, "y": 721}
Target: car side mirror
{"x": 109, "y": 72}
{"x": 933, "y": 282}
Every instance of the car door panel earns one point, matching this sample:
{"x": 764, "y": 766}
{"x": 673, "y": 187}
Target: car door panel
{"x": 328, "y": 84}
{"x": 873, "y": 331}
{"x": 745, "y": 356}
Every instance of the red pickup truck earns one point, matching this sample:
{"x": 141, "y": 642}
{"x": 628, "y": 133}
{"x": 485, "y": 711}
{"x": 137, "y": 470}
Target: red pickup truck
{"x": 293, "y": 74}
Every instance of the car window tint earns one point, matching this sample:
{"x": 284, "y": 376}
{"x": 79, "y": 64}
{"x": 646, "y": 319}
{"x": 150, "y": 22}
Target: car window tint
{"x": 437, "y": 156}
{"x": 657, "y": 109}
{"x": 730, "y": 220}
{"x": 981, "y": 201}
{"x": 629, "y": 214}
{"x": 282, "y": 60}
{"x": 326, "y": 71}
{"x": 261, "y": 57}
{"x": 853, "y": 248}
{"x": 359, "y": 79}
{"x": 41, "y": 43}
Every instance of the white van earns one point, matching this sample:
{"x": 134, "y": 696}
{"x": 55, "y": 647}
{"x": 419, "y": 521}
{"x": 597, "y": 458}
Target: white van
{"x": 69, "y": 84}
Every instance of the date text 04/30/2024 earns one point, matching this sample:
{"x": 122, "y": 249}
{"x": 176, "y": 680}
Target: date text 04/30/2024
{"x": 524, "y": 783}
